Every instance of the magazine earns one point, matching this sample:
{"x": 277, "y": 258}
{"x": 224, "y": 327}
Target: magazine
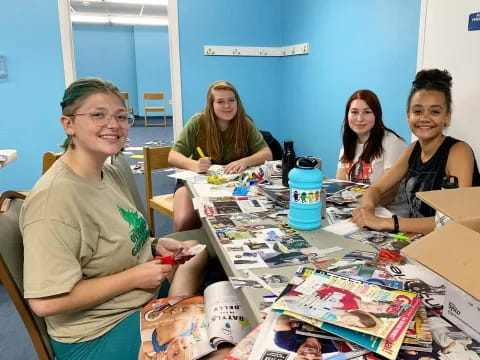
{"x": 244, "y": 348}
{"x": 278, "y": 340}
{"x": 333, "y": 186}
{"x": 280, "y": 195}
{"x": 211, "y": 206}
{"x": 350, "y": 194}
{"x": 353, "y": 304}
{"x": 193, "y": 325}
{"x": 418, "y": 336}
{"x": 449, "y": 343}
{"x": 417, "y": 278}
{"x": 345, "y": 227}
{"x": 244, "y": 219}
{"x": 336, "y": 214}
{"x": 381, "y": 346}
{"x": 379, "y": 239}
{"x": 369, "y": 271}
{"x": 258, "y": 246}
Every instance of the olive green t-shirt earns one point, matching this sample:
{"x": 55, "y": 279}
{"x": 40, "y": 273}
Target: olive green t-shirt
{"x": 191, "y": 136}
{"x": 75, "y": 230}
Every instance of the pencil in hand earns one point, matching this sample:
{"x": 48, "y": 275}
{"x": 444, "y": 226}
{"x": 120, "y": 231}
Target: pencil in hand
{"x": 200, "y": 152}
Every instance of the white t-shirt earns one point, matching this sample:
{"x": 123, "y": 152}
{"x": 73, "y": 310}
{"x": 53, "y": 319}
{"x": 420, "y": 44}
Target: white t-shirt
{"x": 368, "y": 173}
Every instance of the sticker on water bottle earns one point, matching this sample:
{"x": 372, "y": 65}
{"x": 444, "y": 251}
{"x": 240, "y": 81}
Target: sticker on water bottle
{"x": 303, "y": 196}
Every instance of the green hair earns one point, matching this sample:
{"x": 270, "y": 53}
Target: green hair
{"x": 78, "y": 91}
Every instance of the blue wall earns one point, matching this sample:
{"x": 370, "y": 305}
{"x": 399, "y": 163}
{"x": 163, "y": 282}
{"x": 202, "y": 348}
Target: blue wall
{"x": 136, "y": 59}
{"x": 152, "y": 63}
{"x": 30, "y": 96}
{"x": 107, "y": 52}
{"x": 354, "y": 44}
{"x": 242, "y": 23}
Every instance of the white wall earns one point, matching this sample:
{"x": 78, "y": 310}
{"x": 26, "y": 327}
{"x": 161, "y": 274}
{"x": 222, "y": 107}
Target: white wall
{"x": 446, "y": 43}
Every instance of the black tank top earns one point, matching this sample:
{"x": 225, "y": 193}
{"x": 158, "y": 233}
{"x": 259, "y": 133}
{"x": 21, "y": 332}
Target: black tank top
{"x": 429, "y": 175}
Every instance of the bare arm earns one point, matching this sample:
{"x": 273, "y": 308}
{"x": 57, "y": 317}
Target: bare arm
{"x": 255, "y": 159}
{"x": 389, "y": 179}
{"x": 364, "y": 215}
{"x": 181, "y": 161}
{"x": 460, "y": 163}
{"x": 341, "y": 174}
{"x": 389, "y": 195}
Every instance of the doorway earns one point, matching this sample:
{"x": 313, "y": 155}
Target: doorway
{"x": 117, "y": 11}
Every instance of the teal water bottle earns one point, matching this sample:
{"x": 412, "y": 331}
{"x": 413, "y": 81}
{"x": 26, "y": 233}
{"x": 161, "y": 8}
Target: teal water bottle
{"x": 305, "y": 182}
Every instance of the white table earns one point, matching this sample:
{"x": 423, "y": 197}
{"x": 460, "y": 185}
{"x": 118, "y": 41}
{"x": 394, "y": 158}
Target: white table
{"x": 7, "y": 157}
{"x": 252, "y": 297}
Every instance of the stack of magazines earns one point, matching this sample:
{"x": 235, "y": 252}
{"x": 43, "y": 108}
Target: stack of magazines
{"x": 359, "y": 318}
{"x": 323, "y": 315}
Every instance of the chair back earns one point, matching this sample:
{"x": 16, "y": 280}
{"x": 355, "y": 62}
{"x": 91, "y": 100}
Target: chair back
{"x": 48, "y": 159}
{"x": 153, "y": 96}
{"x": 159, "y": 108}
{"x": 11, "y": 273}
{"x": 130, "y": 110}
{"x": 154, "y": 158}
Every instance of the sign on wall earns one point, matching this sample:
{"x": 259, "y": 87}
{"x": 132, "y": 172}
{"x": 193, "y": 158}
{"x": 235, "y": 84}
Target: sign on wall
{"x": 474, "y": 21}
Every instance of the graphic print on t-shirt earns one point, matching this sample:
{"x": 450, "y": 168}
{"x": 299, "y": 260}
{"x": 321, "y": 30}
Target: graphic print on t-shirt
{"x": 139, "y": 229}
{"x": 359, "y": 171}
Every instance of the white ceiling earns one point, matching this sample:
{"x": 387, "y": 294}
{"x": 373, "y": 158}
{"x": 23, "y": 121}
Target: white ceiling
{"x": 141, "y": 9}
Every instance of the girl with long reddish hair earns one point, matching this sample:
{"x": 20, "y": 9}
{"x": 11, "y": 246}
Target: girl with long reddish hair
{"x": 369, "y": 147}
{"x": 226, "y": 135}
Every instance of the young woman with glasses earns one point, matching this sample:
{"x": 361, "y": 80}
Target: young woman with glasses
{"x": 88, "y": 265}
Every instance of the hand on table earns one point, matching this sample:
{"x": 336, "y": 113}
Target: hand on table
{"x": 235, "y": 167}
{"x": 203, "y": 164}
{"x": 365, "y": 218}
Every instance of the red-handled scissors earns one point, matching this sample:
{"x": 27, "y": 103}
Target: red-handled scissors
{"x": 169, "y": 259}
{"x": 390, "y": 255}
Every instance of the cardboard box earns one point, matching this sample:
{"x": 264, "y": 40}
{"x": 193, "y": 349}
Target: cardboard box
{"x": 453, "y": 251}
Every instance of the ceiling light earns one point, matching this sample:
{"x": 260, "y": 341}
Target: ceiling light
{"x": 89, "y": 19}
{"x": 139, "y": 20}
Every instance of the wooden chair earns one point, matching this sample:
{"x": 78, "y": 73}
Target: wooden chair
{"x": 129, "y": 107}
{"x": 154, "y": 159}
{"x": 162, "y": 109}
{"x": 48, "y": 159}
{"x": 11, "y": 273}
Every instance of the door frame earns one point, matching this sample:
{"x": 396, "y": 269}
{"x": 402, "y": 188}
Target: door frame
{"x": 66, "y": 35}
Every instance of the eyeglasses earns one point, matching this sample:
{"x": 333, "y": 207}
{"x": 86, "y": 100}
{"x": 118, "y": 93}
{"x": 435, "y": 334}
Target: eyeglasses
{"x": 101, "y": 118}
